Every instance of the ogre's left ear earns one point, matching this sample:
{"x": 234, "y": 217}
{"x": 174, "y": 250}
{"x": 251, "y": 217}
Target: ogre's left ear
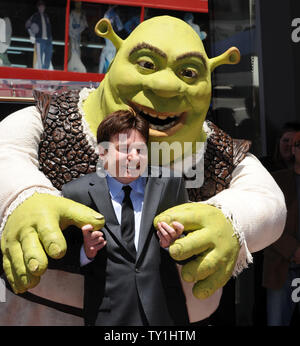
{"x": 231, "y": 56}
{"x": 104, "y": 29}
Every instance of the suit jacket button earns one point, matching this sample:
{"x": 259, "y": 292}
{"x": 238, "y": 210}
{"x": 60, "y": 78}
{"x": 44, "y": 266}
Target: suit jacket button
{"x": 137, "y": 270}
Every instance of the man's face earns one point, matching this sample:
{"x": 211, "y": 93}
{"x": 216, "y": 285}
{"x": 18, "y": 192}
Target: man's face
{"x": 126, "y": 157}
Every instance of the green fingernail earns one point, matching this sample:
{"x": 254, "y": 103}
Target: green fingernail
{"x": 175, "y": 250}
{"x": 164, "y": 218}
{"x": 54, "y": 250}
{"x": 188, "y": 277}
{"x": 168, "y": 219}
{"x": 24, "y": 280}
{"x": 33, "y": 265}
{"x": 14, "y": 289}
{"x": 21, "y": 291}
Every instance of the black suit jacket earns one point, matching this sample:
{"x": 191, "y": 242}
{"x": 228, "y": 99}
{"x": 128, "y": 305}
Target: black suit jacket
{"x": 121, "y": 289}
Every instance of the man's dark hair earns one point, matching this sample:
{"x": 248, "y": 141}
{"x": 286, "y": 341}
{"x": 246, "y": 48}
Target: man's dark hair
{"x": 120, "y": 122}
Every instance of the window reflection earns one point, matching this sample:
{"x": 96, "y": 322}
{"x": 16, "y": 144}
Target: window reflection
{"x": 5, "y": 38}
{"x": 87, "y": 51}
{"x": 77, "y": 25}
{"x": 33, "y": 33}
{"x": 235, "y": 102}
{"x": 40, "y": 35}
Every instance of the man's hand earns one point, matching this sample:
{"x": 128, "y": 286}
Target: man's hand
{"x": 168, "y": 234}
{"x": 93, "y": 241}
{"x": 210, "y": 237}
{"x": 36, "y": 226}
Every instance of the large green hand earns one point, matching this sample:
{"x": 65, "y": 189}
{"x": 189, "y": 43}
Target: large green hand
{"x": 34, "y": 226}
{"x": 209, "y": 236}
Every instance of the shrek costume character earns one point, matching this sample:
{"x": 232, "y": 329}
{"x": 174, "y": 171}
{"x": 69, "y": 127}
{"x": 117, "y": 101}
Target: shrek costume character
{"x": 162, "y": 71}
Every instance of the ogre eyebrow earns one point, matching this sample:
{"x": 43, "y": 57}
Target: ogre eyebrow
{"x": 144, "y": 45}
{"x": 192, "y": 54}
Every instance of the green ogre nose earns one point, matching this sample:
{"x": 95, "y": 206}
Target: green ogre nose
{"x": 164, "y": 83}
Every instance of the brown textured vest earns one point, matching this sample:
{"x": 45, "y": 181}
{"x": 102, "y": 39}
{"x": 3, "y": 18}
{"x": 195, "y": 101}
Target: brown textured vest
{"x": 65, "y": 153}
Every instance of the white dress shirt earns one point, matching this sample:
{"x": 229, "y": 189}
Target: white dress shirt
{"x": 117, "y": 196}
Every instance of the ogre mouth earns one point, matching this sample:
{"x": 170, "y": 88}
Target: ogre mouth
{"x": 159, "y": 121}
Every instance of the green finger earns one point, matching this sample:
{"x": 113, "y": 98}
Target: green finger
{"x": 191, "y": 215}
{"x": 205, "y": 288}
{"x": 34, "y": 255}
{"x": 17, "y": 283}
{"x": 183, "y": 213}
{"x": 17, "y": 265}
{"x": 194, "y": 243}
{"x": 9, "y": 274}
{"x": 52, "y": 239}
{"x": 199, "y": 268}
{"x": 79, "y": 215}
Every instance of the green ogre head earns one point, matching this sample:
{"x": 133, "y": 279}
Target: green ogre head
{"x": 161, "y": 71}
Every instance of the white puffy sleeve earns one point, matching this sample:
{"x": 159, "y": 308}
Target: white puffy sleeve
{"x": 20, "y": 176}
{"x": 256, "y": 207}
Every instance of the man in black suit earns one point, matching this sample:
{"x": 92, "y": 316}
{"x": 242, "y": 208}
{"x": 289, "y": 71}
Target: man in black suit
{"x": 128, "y": 281}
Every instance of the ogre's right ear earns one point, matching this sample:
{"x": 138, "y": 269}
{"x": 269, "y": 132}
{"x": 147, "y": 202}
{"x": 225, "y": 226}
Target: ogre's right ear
{"x": 231, "y": 56}
{"x": 104, "y": 29}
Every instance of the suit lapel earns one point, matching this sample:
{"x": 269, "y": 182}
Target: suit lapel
{"x": 152, "y": 197}
{"x": 99, "y": 192}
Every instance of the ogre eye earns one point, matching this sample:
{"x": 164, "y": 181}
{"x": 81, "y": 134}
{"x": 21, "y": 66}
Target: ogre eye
{"x": 189, "y": 73}
{"x": 146, "y": 64}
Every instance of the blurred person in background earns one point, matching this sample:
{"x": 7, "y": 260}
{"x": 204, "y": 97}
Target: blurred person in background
{"x": 282, "y": 258}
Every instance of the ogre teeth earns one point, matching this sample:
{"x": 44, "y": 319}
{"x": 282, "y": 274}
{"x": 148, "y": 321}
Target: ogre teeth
{"x": 157, "y": 127}
{"x": 157, "y": 114}
{"x": 159, "y": 121}
{"x": 150, "y": 114}
{"x": 162, "y": 127}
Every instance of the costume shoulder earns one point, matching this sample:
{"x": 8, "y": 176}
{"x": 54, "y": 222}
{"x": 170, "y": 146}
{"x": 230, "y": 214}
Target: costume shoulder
{"x": 240, "y": 148}
{"x": 229, "y": 149}
{"x": 65, "y": 152}
{"x": 222, "y": 155}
